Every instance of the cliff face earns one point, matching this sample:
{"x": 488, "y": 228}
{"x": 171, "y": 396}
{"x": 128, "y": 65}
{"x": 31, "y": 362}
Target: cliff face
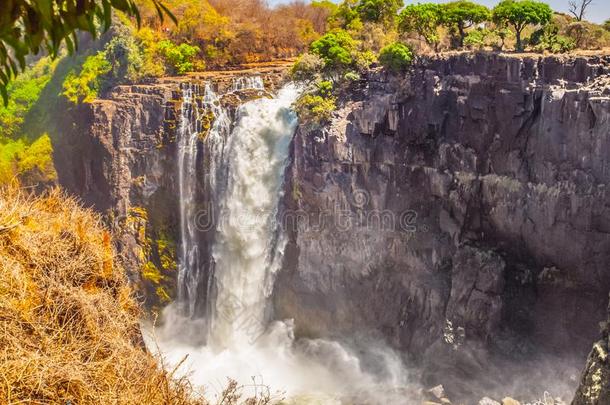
{"x": 461, "y": 211}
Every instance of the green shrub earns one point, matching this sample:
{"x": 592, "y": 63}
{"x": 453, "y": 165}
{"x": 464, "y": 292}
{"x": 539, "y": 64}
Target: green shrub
{"x": 325, "y": 88}
{"x": 23, "y": 93}
{"x": 364, "y": 59}
{"x": 84, "y": 87}
{"x": 315, "y": 108}
{"x": 125, "y": 56}
{"x": 33, "y": 162}
{"x": 396, "y": 57}
{"x": 351, "y": 77}
{"x": 335, "y": 48}
{"x": 548, "y": 38}
{"x": 179, "y": 57}
{"x": 307, "y": 68}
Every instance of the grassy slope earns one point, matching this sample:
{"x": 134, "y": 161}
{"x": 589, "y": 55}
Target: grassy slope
{"x": 70, "y": 327}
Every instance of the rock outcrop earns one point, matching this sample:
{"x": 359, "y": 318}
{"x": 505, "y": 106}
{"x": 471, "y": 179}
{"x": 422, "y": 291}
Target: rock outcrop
{"x": 460, "y": 211}
{"x": 594, "y": 386}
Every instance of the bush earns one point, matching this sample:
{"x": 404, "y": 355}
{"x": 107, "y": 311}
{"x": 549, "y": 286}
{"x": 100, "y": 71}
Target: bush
{"x": 179, "y": 57}
{"x": 477, "y": 39}
{"x": 85, "y": 86}
{"x": 335, "y": 49}
{"x": 30, "y": 163}
{"x": 307, "y": 68}
{"x": 587, "y": 35}
{"x": 125, "y": 56}
{"x": 315, "y": 108}
{"x": 549, "y": 39}
{"x": 396, "y": 57}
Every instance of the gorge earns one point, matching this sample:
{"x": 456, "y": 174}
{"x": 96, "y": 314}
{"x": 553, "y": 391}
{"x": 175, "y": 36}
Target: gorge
{"x": 451, "y": 221}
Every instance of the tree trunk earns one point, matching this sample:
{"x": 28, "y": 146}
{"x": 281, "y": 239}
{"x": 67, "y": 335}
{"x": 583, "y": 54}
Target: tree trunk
{"x": 519, "y": 44}
{"x": 462, "y": 35}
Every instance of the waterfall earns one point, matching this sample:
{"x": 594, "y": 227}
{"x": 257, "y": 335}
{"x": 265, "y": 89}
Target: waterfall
{"x": 248, "y": 83}
{"x": 256, "y": 154}
{"x": 189, "y": 260}
{"x": 245, "y": 176}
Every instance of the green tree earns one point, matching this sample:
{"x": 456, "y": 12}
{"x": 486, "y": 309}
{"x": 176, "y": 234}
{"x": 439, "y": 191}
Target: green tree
{"x": 345, "y": 14}
{"x": 422, "y": 19}
{"x": 379, "y": 11}
{"x": 396, "y": 57}
{"x": 335, "y": 48}
{"x": 606, "y": 25}
{"x": 461, "y": 15}
{"x": 27, "y": 26}
{"x": 179, "y": 57}
{"x": 521, "y": 13}
{"x": 85, "y": 86}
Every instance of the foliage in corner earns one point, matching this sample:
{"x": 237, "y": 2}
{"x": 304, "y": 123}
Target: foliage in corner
{"x": 29, "y": 26}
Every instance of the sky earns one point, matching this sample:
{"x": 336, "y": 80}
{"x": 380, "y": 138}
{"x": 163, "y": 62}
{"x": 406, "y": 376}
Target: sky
{"x": 598, "y": 11}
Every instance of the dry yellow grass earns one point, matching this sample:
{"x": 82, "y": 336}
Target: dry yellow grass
{"x": 69, "y": 329}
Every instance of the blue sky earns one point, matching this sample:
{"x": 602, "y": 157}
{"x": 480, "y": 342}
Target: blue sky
{"x": 599, "y": 10}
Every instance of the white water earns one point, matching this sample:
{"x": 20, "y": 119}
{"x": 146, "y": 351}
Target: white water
{"x": 189, "y": 264}
{"x": 257, "y": 152}
{"x": 243, "y": 344}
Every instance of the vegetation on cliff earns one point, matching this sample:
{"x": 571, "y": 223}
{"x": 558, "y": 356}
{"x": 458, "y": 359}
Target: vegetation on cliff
{"x": 360, "y": 34}
{"x": 70, "y": 323}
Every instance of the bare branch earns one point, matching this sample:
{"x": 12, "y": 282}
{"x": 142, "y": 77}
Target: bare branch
{"x": 579, "y": 8}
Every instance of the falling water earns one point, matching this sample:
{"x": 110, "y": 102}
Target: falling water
{"x": 189, "y": 260}
{"x": 256, "y": 153}
{"x": 247, "y": 83}
{"x": 246, "y": 172}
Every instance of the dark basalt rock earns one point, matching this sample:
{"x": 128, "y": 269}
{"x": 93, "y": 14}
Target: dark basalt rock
{"x": 491, "y": 173}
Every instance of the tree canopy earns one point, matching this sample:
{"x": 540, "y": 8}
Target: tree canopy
{"x": 464, "y": 14}
{"x": 422, "y": 19}
{"x": 521, "y": 13}
{"x": 381, "y": 11}
{"x": 27, "y": 26}
{"x": 335, "y": 49}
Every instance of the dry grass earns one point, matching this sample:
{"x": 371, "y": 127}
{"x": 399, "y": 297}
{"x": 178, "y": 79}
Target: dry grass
{"x": 69, "y": 329}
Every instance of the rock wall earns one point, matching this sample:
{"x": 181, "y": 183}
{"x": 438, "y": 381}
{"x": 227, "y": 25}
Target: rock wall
{"x": 460, "y": 211}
